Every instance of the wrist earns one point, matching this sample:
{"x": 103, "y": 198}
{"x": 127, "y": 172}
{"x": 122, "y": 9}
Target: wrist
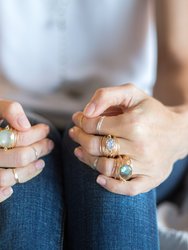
{"x": 181, "y": 126}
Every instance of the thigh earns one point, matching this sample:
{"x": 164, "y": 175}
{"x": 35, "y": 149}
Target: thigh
{"x": 169, "y": 186}
{"x": 98, "y": 219}
{"x": 32, "y": 217}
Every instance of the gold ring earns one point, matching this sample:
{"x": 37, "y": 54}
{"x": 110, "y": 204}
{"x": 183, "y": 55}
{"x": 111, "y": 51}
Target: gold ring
{"x": 123, "y": 168}
{"x": 7, "y": 138}
{"x": 36, "y": 153}
{"x": 99, "y": 124}
{"x": 109, "y": 146}
{"x": 15, "y": 175}
{"x": 81, "y": 121}
{"x": 95, "y": 163}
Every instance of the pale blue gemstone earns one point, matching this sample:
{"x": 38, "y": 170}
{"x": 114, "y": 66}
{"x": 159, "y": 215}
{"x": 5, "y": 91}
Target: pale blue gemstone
{"x": 125, "y": 171}
{"x": 110, "y": 144}
{"x": 6, "y": 138}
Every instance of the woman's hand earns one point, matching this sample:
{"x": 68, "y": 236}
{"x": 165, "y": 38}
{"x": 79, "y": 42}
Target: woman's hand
{"x": 31, "y": 143}
{"x": 151, "y": 134}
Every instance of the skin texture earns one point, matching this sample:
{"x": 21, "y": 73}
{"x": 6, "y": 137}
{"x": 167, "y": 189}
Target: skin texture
{"x": 147, "y": 131}
{"x": 153, "y": 133}
{"x": 171, "y": 89}
{"x": 22, "y": 156}
{"x": 171, "y": 86}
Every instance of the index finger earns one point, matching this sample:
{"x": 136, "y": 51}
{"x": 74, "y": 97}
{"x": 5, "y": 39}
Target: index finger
{"x": 14, "y": 115}
{"x": 103, "y": 125}
{"x": 126, "y": 95}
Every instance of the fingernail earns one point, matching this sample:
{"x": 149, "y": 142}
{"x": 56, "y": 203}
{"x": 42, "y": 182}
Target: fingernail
{"x": 50, "y": 145}
{"x": 71, "y": 132}
{"x": 101, "y": 181}
{"x": 78, "y": 153}
{"x": 7, "y": 191}
{"x": 40, "y": 164}
{"x": 23, "y": 122}
{"x": 89, "y": 109}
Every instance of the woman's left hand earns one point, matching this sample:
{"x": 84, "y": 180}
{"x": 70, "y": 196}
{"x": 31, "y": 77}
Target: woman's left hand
{"x": 151, "y": 134}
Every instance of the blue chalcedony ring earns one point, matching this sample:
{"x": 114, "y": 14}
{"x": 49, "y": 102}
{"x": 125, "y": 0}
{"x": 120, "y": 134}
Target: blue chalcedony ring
{"x": 109, "y": 146}
{"x": 123, "y": 168}
{"x": 7, "y": 138}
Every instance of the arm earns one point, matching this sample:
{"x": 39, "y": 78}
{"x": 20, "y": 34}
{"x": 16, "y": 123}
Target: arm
{"x": 171, "y": 86}
{"x": 154, "y": 135}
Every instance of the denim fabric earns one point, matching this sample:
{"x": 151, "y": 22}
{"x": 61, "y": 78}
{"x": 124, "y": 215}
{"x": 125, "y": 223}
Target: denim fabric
{"x": 32, "y": 218}
{"x": 99, "y": 220}
{"x": 168, "y": 187}
{"x": 95, "y": 218}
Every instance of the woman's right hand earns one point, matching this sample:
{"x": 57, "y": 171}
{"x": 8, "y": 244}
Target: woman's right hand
{"x": 23, "y": 157}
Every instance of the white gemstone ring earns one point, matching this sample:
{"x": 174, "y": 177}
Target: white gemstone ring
{"x": 109, "y": 146}
{"x": 7, "y": 138}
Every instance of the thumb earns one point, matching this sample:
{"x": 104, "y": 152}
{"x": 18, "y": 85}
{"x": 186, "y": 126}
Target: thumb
{"x": 126, "y": 95}
{"x": 14, "y": 114}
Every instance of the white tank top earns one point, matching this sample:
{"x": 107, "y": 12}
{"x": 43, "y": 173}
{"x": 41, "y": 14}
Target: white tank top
{"x": 77, "y": 45}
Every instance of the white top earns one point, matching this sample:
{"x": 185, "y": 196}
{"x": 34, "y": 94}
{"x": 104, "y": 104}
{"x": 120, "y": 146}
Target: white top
{"x": 61, "y": 51}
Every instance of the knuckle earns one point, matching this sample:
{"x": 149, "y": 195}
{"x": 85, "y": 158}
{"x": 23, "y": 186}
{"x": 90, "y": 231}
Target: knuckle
{"x": 13, "y": 107}
{"x": 101, "y": 92}
{"x": 131, "y": 85}
{"x": 137, "y": 129}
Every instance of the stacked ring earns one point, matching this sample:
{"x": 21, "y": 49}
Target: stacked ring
{"x": 7, "y": 138}
{"x": 99, "y": 124}
{"x": 123, "y": 168}
{"x": 109, "y": 146}
{"x": 15, "y": 175}
{"x": 95, "y": 163}
{"x": 36, "y": 153}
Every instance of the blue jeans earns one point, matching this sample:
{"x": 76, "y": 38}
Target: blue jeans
{"x": 33, "y": 218}
{"x": 99, "y": 220}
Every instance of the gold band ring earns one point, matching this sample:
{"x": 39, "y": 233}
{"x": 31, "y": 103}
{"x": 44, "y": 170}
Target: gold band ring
{"x": 15, "y": 175}
{"x": 81, "y": 121}
{"x": 99, "y": 124}
{"x": 123, "y": 168}
{"x": 36, "y": 153}
{"x": 7, "y": 138}
{"x": 109, "y": 146}
{"x": 95, "y": 163}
